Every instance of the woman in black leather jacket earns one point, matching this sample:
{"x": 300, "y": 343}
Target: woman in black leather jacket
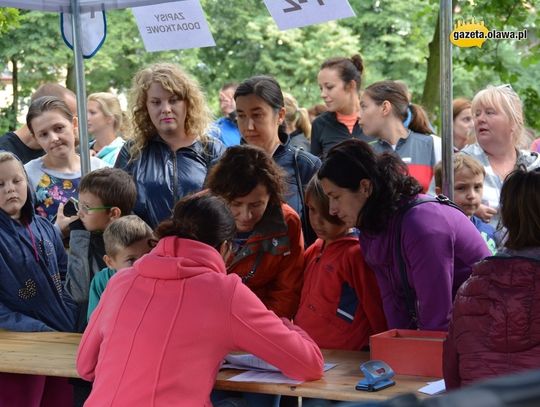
{"x": 170, "y": 152}
{"x": 261, "y": 120}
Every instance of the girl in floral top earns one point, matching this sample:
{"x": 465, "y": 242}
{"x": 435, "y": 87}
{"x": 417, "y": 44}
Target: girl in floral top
{"x": 54, "y": 177}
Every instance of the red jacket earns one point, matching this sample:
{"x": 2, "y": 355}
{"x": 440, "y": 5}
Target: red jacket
{"x": 273, "y": 257}
{"x": 341, "y": 305}
{"x": 495, "y": 327}
{"x": 162, "y": 328}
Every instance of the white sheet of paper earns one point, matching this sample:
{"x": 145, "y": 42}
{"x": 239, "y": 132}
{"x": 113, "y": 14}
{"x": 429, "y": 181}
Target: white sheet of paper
{"x": 263, "y": 377}
{"x": 300, "y": 13}
{"x": 433, "y": 387}
{"x": 178, "y": 25}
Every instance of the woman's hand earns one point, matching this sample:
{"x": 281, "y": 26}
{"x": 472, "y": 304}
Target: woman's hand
{"x": 485, "y": 212}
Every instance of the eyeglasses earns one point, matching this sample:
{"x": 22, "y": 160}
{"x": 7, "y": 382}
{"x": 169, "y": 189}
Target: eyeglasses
{"x": 85, "y": 208}
{"x": 506, "y": 86}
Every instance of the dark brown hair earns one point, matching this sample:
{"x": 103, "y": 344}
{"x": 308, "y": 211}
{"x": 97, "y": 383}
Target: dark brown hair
{"x": 240, "y": 169}
{"x": 47, "y": 104}
{"x": 351, "y": 161}
{"x": 349, "y": 69}
{"x": 113, "y": 186}
{"x": 397, "y": 94}
{"x": 520, "y": 208}
{"x": 316, "y": 196}
{"x": 203, "y": 217}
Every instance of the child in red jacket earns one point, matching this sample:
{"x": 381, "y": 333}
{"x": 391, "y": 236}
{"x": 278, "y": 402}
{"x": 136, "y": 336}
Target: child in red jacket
{"x": 340, "y": 306}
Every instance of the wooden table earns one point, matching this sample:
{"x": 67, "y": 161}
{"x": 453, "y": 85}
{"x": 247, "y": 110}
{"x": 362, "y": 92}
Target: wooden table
{"x": 53, "y": 354}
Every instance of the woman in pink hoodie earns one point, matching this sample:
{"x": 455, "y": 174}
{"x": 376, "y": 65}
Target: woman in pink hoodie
{"x": 162, "y": 327}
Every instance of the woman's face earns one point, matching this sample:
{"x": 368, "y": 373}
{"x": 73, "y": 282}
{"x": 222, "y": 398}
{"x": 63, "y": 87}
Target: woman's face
{"x": 55, "y": 133}
{"x": 257, "y": 121}
{"x": 166, "y": 110}
{"x": 248, "y": 210}
{"x": 344, "y": 203}
{"x": 13, "y": 188}
{"x": 97, "y": 121}
{"x": 492, "y": 127}
{"x": 463, "y": 128}
{"x": 336, "y": 94}
{"x": 371, "y": 117}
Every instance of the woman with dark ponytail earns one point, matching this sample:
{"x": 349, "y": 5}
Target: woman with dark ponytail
{"x": 421, "y": 249}
{"x": 399, "y": 126}
{"x": 339, "y": 81}
{"x": 176, "y": 313}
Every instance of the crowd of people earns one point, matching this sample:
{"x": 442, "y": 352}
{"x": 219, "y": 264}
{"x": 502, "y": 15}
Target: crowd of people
{"x": 275, "y": 229}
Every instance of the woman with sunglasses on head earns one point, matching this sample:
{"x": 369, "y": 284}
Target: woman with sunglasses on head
{"x": 170, "y": 153}
{"x": 164, "y": 326}
{"x": 420, "y": 249}
{"x": 339, "y": 81}
{"x": 499, "y": 127}
{"x": 269, "y": 247}
{"x": 260, "y": 107}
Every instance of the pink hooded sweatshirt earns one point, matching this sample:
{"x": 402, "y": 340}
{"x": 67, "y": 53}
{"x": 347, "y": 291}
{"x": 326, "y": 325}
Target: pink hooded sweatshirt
{"x": 162, "y": 328}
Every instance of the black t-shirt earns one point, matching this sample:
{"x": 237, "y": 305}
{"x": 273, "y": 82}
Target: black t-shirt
{"x": 12, "y": 143}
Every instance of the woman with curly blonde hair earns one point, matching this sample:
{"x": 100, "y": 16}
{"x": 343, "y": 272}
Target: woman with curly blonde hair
{"x": 170, "y": 152}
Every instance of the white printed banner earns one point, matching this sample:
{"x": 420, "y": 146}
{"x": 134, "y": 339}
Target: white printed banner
{"x": 177, "y": 25}
{"x": 300, "y": 13}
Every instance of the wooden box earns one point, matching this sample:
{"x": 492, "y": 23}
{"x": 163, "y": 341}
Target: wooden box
{"x": 410, "y": 352}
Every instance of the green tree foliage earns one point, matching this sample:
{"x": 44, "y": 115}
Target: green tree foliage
{"x": 392, "y": 36}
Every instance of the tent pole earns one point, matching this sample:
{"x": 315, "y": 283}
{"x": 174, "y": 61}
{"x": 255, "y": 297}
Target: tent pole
{"x": 81, "y": 87}
{"x": 446, "y": 99}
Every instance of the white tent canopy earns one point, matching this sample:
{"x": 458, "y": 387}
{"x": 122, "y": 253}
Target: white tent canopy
{"x": 85, "y": 6}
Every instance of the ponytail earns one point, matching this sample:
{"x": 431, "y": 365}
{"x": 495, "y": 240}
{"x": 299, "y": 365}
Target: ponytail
{"x": 420, "y": 122}
{"x": 303, "y": 123}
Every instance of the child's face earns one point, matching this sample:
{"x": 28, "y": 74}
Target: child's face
{"x": 468, "y": 189}
{"x": 126, "y": 256}
{"x": 324, "y": 229}
{"x": 92, "y": 212}
{"x": 55, "y": 133}
{"x": 13, "y": 188}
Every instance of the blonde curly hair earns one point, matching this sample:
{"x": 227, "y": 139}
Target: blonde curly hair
{"x": 173, "y": 79}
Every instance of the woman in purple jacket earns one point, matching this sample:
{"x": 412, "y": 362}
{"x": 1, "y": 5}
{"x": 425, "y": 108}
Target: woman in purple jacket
{"x": 420, "y": 253}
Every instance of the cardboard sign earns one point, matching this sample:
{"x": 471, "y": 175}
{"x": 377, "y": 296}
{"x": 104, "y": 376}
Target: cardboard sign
{"x": 300, "y": 13}
{"x": 178, "y": 25}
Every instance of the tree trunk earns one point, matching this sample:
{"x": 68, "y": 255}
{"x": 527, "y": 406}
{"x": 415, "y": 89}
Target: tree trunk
{"x": 15, "y": 87}
{"x": 430, "y": 95}
{"x": 71, "y": 81}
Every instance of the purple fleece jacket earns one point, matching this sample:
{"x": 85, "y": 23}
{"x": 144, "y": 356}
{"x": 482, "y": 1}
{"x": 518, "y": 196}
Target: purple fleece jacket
{"x": 439, "y": 247}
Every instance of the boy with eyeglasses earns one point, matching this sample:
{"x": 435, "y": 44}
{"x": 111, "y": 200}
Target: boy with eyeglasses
{"x": 104, "y": 195}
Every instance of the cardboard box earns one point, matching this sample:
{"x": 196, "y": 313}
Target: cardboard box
{"x": 410, "y": 352}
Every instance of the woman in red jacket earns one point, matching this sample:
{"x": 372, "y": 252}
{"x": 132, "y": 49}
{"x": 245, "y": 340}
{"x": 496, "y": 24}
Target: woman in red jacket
{"x": 269, "y": 247}
{"x": 495, "y": 327}
{"x": 162, "y": 327}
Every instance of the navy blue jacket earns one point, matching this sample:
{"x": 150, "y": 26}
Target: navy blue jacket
{"x": 326, "y": 132}
{"x": 164, "y": 176}
{"x": 32, "y": 269}
{"x": 307, "y": 166}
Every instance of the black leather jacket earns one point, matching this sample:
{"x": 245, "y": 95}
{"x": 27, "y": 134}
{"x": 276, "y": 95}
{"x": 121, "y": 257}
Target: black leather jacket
{"x": 306, "y": 166}
{"x": 164, "y": 176}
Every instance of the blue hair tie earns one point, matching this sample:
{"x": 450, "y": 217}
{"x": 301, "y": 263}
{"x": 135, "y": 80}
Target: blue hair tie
{"x": 408, "y": 120}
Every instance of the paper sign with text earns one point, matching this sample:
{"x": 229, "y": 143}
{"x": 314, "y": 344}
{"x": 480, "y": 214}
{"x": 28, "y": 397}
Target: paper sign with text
{"x": 300, "y": 13}
{"x": 177, "y": 25}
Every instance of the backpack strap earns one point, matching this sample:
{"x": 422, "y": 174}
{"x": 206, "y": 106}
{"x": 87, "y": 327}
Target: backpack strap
{"x": 410, "y": 299}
